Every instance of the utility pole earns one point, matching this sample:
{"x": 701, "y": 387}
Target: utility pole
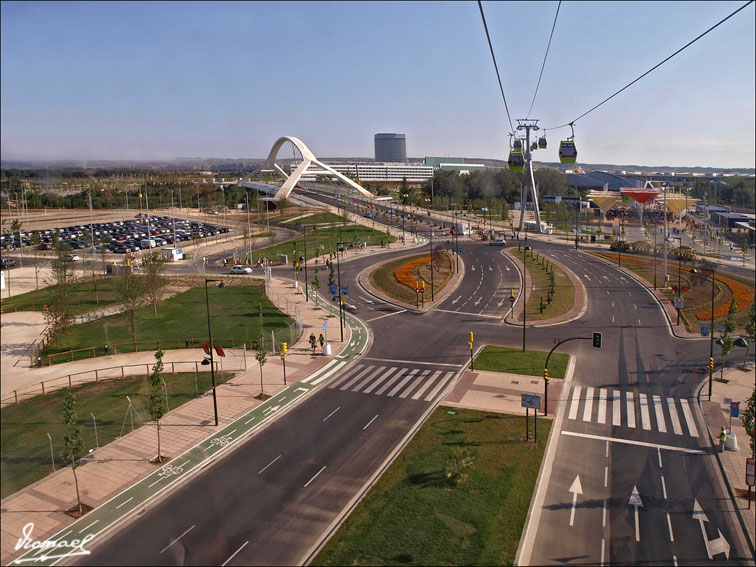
{"x": 666, "y": 237}
{"x": 529, "y": 183}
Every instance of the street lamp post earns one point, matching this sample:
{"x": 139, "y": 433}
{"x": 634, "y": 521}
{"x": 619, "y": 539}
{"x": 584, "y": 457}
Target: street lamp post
{"x": 524, "y": 294}
{"x": 341, "y": 300}
{"x": 679, "y": 268}
{"x": 711, "y": 326}
{"x": 304, "y": 233}
{"x": 210, "y": 338}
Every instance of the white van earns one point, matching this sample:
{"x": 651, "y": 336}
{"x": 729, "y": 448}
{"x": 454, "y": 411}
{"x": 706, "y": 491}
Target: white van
{"x": 147, "y": 243}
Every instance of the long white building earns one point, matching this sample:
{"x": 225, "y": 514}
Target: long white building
{"x": 377, "y": 172}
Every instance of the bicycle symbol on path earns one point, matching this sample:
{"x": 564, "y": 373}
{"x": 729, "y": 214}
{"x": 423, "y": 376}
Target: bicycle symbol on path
{"x": 222, "y": 441}
{"x": 170, "y": 470}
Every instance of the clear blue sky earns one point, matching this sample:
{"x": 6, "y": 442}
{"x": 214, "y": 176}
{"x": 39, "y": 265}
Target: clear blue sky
{"x": 161, "y": 80}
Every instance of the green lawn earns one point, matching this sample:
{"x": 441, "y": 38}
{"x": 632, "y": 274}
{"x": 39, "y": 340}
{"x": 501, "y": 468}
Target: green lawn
{"x": 233, "y": 310}
{"x": 82, "y": 295}
{"x": 322, "y": 241}
{"x": 415, "y": 516}
{"x": 513, "y": 360}
{"x": 25, "y": 456}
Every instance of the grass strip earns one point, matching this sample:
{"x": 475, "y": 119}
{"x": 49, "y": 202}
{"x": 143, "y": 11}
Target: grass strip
{"x": 26, "y": 449}
{"x": 514, "y": 361}
{"x": 538, "y": 305}
{"x": 417, "y": 515}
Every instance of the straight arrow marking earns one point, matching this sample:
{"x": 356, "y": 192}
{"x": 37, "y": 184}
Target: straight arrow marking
{"x": 714, "y": 546}
{"x": 576, "y": 489}
{"x": 635, "y": 501}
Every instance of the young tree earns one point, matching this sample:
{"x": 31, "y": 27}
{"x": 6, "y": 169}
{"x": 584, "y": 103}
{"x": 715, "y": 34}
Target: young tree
{"x": 262, "y": 358}
{"x": 316, "y": 280}
{"x": 57, "y": 313}
{"x": 748, "y": 418}
{"x": 154, "y": 264}
{"x": 131, "y": 289}
{"x": 73, "y": 442}
{"x": 331, "y": 279}
{"x": 157, "y": 405}
{"x": 750, "y": 328}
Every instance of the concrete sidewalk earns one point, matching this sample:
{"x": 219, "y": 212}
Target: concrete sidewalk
{"x": 738, "y": 387}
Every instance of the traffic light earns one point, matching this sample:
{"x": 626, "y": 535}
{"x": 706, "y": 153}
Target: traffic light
{"x": 710, "y": 366}
{"x": 471, "y": 337}
{"x": 470, "y": 345}
{"x": 596, "y": 340}
{"x": 546, "y": 375}
{"x": 284, "y": 348}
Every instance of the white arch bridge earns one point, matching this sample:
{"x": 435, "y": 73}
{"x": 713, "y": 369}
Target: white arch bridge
{"x": 309, "y": 163}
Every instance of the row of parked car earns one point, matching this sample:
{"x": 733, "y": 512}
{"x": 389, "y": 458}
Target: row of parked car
{"x": 119, "y": 237}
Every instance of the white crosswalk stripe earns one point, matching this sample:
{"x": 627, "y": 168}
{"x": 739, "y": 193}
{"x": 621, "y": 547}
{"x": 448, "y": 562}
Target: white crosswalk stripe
{"x": 394, "y": 381}
{"x": 636, "y": 404}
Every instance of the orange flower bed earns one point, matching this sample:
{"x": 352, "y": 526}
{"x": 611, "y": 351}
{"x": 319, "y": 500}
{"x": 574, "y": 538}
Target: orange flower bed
{"x": 740, "y": 292}
{"x": 404, "y": 272}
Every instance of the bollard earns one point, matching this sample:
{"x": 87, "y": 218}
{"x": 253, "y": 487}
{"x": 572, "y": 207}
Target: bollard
{"x": 43, "y": 387}
{"x": 97, "y": 375}
{"x": 15, "y": 393}
{"x": 69, "y": 380}
{"x": 122, "y": 372}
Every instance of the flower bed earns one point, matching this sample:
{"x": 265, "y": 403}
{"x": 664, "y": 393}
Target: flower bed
{"x": 740, "y": 292}
{"x": 404, "y": 272}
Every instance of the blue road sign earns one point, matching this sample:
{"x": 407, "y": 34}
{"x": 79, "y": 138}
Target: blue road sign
{"x": 325, "y": 325}
{"x": 704, "y": 330}
{"x": 734, "y": 409}
{"x": 333, "y": 289}
{"x": 454, "y": 249}
{"x": 344, "y": 290}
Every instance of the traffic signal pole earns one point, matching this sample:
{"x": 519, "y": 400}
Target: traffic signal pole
{"x": 596, "y": 338}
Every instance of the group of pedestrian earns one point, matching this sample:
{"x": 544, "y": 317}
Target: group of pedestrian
{"x": 314, "y": 342}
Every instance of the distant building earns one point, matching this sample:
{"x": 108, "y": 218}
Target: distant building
{"x": 376, "y": 172}
{"x": 390, "y": 148}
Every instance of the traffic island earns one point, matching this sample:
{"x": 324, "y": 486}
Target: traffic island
{"x": 410, "y": 283}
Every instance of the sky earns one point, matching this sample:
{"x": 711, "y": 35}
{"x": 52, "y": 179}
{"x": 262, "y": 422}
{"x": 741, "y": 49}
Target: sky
{"x": 155, "y": 80}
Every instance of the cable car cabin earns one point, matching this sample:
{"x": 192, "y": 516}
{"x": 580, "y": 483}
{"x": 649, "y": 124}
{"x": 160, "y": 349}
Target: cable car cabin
{"x": 516, "y": 161}
{"x": 518, "y": 144}
{"x": 533, "y": 146}
{"x": 542, "y": 142}
{"x": 567, "y": 151}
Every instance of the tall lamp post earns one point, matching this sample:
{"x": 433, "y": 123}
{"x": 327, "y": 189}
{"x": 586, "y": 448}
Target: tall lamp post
{"x": 210, "y": 336}
{"x": 711, "y": 326}
{"x": 679, "y": 269}
{"x": 341, "y": 298}
{"x": 304, "y": 233}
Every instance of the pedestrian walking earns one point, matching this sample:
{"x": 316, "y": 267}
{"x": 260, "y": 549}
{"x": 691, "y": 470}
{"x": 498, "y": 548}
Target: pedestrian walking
{"x": 321, "y": 340}
{"x": 722, "y": 439}
{"x": 313, "y": 342}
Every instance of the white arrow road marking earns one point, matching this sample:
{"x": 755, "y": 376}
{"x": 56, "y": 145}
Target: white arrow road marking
{"x": 490, "y": 269}
{"x": 270, "y": 410}
{"x": 302, "y": 390}
{"x": 479, "y": 300}
{"x": 455, "y": 301}
{"x": 576, "y": 489}
{"x": 507, "y": 267}
{"x": 714, "y": 546}
{"x": 635, "y": 502}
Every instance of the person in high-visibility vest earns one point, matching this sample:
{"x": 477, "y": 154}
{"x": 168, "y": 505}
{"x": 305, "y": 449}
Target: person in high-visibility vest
{"x": 722, "y": 439}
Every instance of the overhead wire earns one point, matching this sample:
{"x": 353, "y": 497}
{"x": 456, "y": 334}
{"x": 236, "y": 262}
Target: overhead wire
{"x": 501, "y": 88}
{"x": 544, "y": 58}
{"x": 607, "y": 99}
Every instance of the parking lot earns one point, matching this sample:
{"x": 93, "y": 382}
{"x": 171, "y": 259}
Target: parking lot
{"x": 119, "y": 236}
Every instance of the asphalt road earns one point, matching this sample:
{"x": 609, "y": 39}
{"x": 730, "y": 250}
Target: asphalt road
{"x": 273, "y": 499}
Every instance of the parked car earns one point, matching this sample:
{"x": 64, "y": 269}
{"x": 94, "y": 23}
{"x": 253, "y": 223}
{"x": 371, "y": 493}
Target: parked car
{"x": 238, "y": 269}
{"x": 7, "y": 262}
{"x": 44, "y": 246}
{"x": 71, "y": 258}
{"x": 498, "y": 242}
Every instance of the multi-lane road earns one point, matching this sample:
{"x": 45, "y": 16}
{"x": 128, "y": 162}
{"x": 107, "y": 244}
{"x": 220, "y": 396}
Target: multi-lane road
{"x": 628, "y": 478}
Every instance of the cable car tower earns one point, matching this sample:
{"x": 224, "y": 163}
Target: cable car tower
{"x": 529, "y": 181}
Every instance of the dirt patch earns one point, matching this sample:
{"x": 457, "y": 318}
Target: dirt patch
{"x": 74, "y": 512}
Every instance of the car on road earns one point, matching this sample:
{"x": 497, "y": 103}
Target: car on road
{"x": 7, "y": 262}
{"x": 498, "y": 242}
{"x": 239, "y": 269}
{"x": 71, "y": 258}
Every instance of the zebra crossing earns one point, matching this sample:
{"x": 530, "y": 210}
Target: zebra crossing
{"x": 393, "y": 381}
{"x": 631, "y": 411}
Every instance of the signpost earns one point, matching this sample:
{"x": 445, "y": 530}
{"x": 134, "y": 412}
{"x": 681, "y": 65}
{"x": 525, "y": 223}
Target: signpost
{"x": 529, "y": 401}
{"x": 750, "y": 477}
